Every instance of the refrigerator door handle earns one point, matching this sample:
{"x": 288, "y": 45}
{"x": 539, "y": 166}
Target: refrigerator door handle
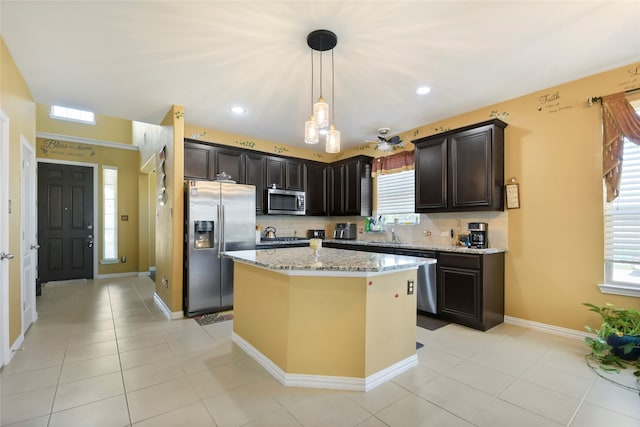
{"x": 223, "y": 243}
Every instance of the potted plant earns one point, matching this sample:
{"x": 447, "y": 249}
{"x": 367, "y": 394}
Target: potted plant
{"x": 617, "y": 342}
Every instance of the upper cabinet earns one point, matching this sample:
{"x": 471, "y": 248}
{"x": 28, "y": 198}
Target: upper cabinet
{"x": 462, "y": 169}
{"x": 350, "y": 185}
{"x": 315, "y": 186}
{"x": 339, "y": 188}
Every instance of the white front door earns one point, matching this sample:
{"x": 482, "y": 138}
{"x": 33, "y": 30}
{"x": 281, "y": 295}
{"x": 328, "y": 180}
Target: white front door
{"x": 4, "y": 239}
{"x": 29, "y": 241}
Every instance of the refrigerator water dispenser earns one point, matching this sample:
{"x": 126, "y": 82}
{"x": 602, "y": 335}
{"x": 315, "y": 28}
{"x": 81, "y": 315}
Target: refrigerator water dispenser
{"x": 203, "y": 234}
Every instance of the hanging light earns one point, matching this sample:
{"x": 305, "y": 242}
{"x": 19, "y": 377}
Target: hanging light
{"x": 321, "y": 41}
{"x": 311, "y": 131}
{"x": 333, "y": 136}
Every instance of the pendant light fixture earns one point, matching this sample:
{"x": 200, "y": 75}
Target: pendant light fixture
{"x": 321, "y": 41}
{"x": 311, "y": 130}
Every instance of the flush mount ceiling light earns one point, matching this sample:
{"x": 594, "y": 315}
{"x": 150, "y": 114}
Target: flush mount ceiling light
{"x": 322, "y": 41}
{"x": 237, "y": 109}
{"x": 423, "y": 90}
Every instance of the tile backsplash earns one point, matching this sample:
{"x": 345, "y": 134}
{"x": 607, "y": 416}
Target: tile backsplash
{"x": 436, "y": 224}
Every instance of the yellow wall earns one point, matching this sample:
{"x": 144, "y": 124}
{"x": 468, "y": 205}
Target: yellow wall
{"x": 17, "y": 103}
{"x": 126, "y": 160}
{"x": 107, "y": 128}
{"x": 150, "y": 140}
{"x": 555, "y": 240}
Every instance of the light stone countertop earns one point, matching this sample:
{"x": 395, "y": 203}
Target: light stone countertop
{"x": 330, "y": 262}
{"x": 419, "y": 246}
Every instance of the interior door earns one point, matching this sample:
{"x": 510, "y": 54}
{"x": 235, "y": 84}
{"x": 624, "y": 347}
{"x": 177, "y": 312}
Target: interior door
{"x": 5, "y": 254}
{"x": 29, "y": 245}
{"x": 65, "y": 222}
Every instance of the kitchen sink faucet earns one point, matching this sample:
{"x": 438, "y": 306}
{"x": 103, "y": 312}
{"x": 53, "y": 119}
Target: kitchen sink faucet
{"x": 394, "y": 238}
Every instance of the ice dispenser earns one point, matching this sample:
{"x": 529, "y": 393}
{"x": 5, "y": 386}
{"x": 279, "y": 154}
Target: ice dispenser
{"x": 203, "y": 234}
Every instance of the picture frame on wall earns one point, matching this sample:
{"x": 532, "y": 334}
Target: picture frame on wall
{"x": 512, "y": 192}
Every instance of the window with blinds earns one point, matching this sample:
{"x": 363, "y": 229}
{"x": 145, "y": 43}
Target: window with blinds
{"x": 396, "y": 198}
{"x": 109, "y": 219}
{"x": 622, "y": 224}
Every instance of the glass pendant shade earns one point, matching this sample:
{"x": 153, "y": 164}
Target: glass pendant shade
{"x": 311, "y": 131}
{"x": 333, "y": 140}
{"x": 321, "y": 113}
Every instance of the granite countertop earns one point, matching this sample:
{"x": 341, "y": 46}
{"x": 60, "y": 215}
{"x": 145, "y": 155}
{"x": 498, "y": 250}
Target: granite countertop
{"x": 302, "y": 260}
{"x": 419, "y": 246}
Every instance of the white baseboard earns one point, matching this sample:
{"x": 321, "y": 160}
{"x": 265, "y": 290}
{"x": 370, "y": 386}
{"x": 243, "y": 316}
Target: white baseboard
{"x": 550, "y": 329}
{"x": 114, "y": 275}
{"x": 17, "y": 346}
{"x": 325, "y": 381}
{"x": 171, "y": 315}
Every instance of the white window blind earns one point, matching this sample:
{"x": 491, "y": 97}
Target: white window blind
{"x": 396, "y": 193}
{"x": 110, "y": 209}
{"x": 622, "y": 224}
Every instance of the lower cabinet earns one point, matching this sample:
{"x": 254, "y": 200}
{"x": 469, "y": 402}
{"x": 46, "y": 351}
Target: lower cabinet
{"x": 471, "y": 289}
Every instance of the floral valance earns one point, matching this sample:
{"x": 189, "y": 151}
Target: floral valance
{"x": 619, "y": 121}
{"x": 394, "y": 163}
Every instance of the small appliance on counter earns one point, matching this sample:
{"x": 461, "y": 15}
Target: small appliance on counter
{"x": 315, "y": 234}
{"x": 478, "y": 237}
{"x": 345, "y": 231}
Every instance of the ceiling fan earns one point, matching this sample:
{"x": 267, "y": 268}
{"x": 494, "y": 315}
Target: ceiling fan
{"x": 386, "y": 144}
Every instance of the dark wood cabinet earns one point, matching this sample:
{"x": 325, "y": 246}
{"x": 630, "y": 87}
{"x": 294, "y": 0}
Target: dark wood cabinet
{"x": 196, "y": 161}
{"x": 230, "y": 162}
{"x": 462, "y": 169}
{"x": 255, "y": 175}
{"x": 294, "y": 175}
{"x": 340, "y": 188}
{"x": 470, "y": 288}
{"x": 315, "y": 187}
{"x": 350, "y": 185}
{"x": 275, "y": 170}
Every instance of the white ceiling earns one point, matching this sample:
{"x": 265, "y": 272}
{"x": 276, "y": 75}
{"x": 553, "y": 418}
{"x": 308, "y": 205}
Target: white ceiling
{"x": 135, "y": 59}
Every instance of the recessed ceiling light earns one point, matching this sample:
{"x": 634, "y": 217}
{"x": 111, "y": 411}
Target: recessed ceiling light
{"x": 423, "y": 90}
{"x": 237, "y": 109}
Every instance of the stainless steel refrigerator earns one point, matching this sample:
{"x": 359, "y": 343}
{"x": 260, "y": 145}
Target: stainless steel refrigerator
{"x": 219, "y": 216}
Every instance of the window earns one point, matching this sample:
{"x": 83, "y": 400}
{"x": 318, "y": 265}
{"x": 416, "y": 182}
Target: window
{"x": 622, "y": 228}
{"x": 110, "y": 209}
{"x": 72, "y": 115}
{"x": 396, "y": 198}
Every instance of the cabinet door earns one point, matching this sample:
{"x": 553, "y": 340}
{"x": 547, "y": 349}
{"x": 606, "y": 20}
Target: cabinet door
{"x": 275, "y": 172}
{"x": 459, "y": 295}
{"x": 294, "y": 175}
{"x": 196, "y": 161}
{"x": 230, "y": 162}
{"x": 254, "y": 175}
{"x": 470, "y": 166}
{"x": 431, "y": 176}
{"x": 352, "y": 188}
{"x": 315, "y": 177}
{"x": 336, "y": 185}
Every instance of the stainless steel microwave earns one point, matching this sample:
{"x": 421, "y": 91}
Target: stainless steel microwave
{"x": 284, "y": 202}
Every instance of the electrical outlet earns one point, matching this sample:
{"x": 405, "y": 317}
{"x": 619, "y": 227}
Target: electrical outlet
{"x": 410, "y": 286}
{"x": 165, "y": 282}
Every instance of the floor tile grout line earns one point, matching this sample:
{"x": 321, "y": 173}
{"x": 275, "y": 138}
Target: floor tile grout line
{"x": 124, "y": 388}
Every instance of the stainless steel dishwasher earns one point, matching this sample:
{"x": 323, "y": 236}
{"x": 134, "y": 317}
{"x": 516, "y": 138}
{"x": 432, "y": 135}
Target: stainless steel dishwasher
{"x": 426, "y": 292}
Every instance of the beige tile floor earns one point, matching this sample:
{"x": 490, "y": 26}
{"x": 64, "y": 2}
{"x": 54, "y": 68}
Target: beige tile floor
{"x": 102, "y": 354}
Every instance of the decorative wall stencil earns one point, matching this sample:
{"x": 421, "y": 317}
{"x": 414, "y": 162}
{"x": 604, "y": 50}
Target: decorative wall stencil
{"x": 179, "y": 114}
{"x": 280, "y": 150}
{"x": 441, "y": 129}
{"x": 71, "y": 149}
{"x": 551, "y": 103}
{"x": 495, "y": 115}
{"x": 198, "y": 135}
{"x": 246, "y": 144}
{"x": 632, "y": 78}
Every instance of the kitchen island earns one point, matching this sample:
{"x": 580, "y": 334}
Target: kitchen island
{"x": 341, "y": 319}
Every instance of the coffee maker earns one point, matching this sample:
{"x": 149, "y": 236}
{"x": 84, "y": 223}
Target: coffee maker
{"x": 478, "y": 237}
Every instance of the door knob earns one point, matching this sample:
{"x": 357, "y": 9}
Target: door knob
{"x": 6, "y": 256}
{"x": 34, "y": 246}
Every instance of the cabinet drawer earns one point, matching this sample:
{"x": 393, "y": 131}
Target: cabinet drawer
{"x": 459, "y": 260}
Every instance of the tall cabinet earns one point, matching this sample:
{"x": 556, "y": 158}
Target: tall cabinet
{"x": 461, "y": 170}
